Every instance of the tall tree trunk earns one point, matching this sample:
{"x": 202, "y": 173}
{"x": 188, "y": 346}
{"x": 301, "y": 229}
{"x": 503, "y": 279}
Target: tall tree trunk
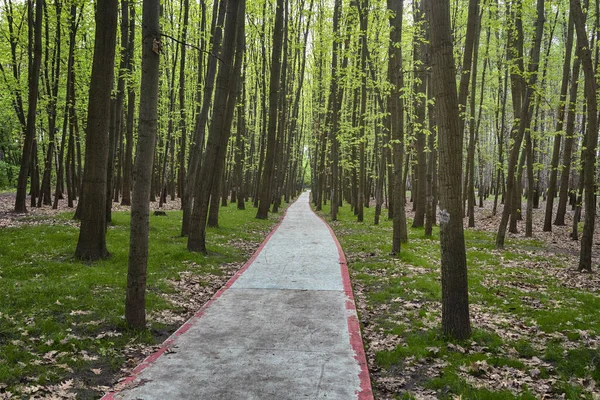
{"x": 52, "y": 82}
{"x": 92, "y": 234}
{"x": 524, "y": 123}
{"x": 33, "y": 81}
{"x": 240, "y": 145}
{"x": 432, "y": 175}
{"x": 225, "y": 97}
{"x": 362, "y": 173}
{"x": 182, "y": 114}
{"x": 396, "y": 108}
{"x": 118, "y": 108}
{"x": 282, "y": 117}
{"x": 128, "y": 159}
{"x": 202, "y": 115}
{"x": 274, "y": 84}
{"x": 467, "y": 63}
{"x": 110, "y": 165}
{"x": 570, "y": 137}
{"x": 455, "y": 294}
{"x": 470, "y": 181}
{"x": 500, "y": 128}
{"x": 589, "y": 153}
{"x": 530, "y": 184}
{"x": 220, "y": 183}
{"x": 420, "y": 188}
{"x": 559, "y": 127}
{"x": 135, "y": 302}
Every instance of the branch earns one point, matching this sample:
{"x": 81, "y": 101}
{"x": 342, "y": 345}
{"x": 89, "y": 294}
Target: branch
{"x": 194, "y": 47}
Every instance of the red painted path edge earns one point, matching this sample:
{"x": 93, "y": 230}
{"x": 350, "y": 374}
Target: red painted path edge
{"x": 148, "y": 361}
{"x": 366, "y": 391}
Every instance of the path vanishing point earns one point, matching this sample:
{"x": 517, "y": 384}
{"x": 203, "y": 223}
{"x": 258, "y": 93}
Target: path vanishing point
{"x": 284, "y": 327}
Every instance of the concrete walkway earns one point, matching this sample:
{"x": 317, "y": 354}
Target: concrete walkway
{"x": 284, "y": 327}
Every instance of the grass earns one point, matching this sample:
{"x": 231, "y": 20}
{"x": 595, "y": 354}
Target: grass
{"x": 62, "y": 319}
{"x": 534, "y": 334}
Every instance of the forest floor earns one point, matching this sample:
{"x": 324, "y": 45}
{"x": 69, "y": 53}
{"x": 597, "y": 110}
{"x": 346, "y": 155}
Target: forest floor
{"x": 535, "y": 320}
{"x": 62, "y": 331}
{"x": 536, "y": 326}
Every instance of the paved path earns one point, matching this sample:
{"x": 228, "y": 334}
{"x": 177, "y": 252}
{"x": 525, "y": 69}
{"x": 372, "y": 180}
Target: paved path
{"x": 284, "y": 327}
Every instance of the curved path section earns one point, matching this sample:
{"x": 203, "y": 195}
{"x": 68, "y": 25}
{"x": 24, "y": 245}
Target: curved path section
{"x": 284, "y": 327}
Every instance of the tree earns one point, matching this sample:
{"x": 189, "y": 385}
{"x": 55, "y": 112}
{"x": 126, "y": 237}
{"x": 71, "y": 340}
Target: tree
{"x": 52, "y": 78}
{"x": 559, "y": 127}
{"x": 396, "y": 108}
{"x": 34, "y": 75}
{"x": 333, "y": 109}
{"x": 224, "y": 104}
{"x": 92, "y": 234}
{"x": 523, "y": 92}
{"x": 589, "y": 153}
{"x": 135, "y": 303}
{"x": 455, "y": 293}
{"x": 128, "y": 157}
{"x": 268, "y": 171}
{"x": 202, "y": 114}
{"x": 419, "y": 127}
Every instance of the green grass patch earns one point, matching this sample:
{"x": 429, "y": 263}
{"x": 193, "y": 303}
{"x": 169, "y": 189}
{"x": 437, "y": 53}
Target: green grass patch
{"x": 60, "y": 318}
{"x": 527, "y": 321}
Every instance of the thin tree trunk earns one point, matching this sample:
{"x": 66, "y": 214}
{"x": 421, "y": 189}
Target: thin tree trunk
{"x": 240, "y": 145}
{"x": 396, "y": 108}
{"x": 225, "y": 97}
{"x": 268, "y": 171}
{"x": 420, "y": 188}
{"x": 589, "y": 153}
{"x": 33, "y": 81}
{"x": 470, "y": 192}
{"x": 52, "y": 90}
{"x": 363, "y": 6}
{"x": 432, "y": 176}
{"x": 182, "y": 114}
{"x": 559, "y": 127}
{"x": 570, "y": 137}
{"x": 128, "y": 159}
{"x": 202, "y": 116}
{"x": 135, "y": 302}
{"x": 524, "y": 124}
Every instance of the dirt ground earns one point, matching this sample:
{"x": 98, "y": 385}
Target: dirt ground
{"x": 9, "y": 218}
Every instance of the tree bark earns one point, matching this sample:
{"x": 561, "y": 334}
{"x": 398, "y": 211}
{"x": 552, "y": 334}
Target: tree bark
{"x": 363, "y": 6}
{"x": 570, "y": 137}
{"x": 52, "y": 82}
{"x": 128, "y": 159}
{"x": 135, "y": 302}
{"x": 470, "y": 170}
{"x": 92, "y": 234}
{"x": 419, "y": 125}
{"x": 182, "y": 114}
{"x": 455, "y": 294}
{"x": 240, "y": 146}
{"x": 224, "y": 102}
{"x": 33, "y": 80}
{"x": 202, "y": 116}
{"x": 589, "y": 153}
{"x": 396, "y": 108}
{"x": 559, "y": 127}
{"x": 274, "y": 84}
{"x": 523, "y": 124}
